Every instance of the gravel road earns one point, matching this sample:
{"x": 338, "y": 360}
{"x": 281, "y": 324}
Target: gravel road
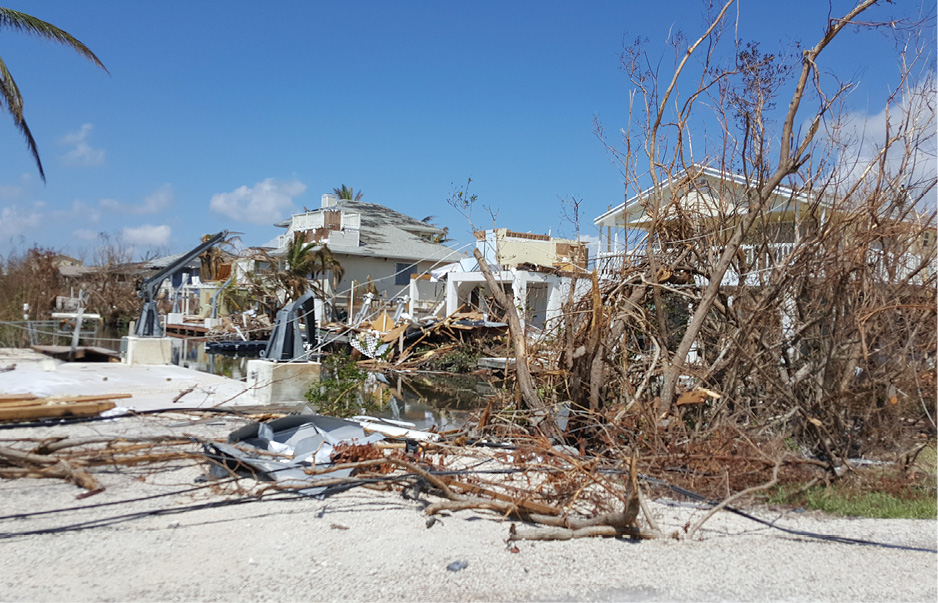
{"x": 364, "y": 545}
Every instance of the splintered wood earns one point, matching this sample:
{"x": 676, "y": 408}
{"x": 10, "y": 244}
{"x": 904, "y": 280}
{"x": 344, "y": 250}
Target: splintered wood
{"x": 29, "y": 407}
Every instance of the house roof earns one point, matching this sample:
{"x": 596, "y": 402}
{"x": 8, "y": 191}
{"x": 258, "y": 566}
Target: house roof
{"x": 388, "y": 233}
{"x": 70, "y": 271}
{"x": 632, "y": 212}
{"x": 162, "y": 262}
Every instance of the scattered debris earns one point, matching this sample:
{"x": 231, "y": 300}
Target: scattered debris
{"x": 412, "y": 343}
{"x": 284, "y": 449}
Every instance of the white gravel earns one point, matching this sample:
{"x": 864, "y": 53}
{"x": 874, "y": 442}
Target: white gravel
{"x": 370, "y": 546}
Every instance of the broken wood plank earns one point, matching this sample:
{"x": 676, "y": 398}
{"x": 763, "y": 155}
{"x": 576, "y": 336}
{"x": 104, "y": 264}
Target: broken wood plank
{"x": 17, "y": 397}
{"x": 394, "y": 333}
{"x": 62, "y": 399}
{"x": 49, "y": 411}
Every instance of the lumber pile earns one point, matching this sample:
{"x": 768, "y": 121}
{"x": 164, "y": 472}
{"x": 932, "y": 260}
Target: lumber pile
{"x": 29, "y": 407}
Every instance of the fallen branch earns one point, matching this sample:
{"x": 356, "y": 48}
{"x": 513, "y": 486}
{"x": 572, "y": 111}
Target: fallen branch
{"x": 693, "y": 529}
{"x": 567, "y": 534}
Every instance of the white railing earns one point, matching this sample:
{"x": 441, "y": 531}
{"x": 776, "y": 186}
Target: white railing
{"x": 351, "y": 221}
{"x": 760, "y": 260}
{"x": 761, "y": 257}
{"x": 609, "y": 261}
{"x": 343, "y": 238}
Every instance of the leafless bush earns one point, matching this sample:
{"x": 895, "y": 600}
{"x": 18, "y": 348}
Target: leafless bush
{"x": 778, "y": 279}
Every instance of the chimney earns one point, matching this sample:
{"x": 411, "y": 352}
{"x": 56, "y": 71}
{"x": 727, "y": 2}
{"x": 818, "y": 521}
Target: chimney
{"x": 330, "y": 200}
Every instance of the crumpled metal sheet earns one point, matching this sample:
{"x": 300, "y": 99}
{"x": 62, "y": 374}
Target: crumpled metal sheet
{"x": 301, "y": 441}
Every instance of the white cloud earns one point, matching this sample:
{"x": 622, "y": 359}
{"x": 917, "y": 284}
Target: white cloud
{"x": 79, "y": 210}
{"x": 86, "y": 234}
{"x": 10, "y": 191}
{"x": 16, "y": 191}
{"x": 262, "y": 203}
{"x": 82, "y": 154}
{"x": 14, "y": 222}
{"x": 157, "y": 201}
{"x": 147, "y": 235}
{"x": 912, "y": 118}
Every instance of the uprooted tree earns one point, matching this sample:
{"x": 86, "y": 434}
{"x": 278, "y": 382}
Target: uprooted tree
{"x": 776, "y": 277}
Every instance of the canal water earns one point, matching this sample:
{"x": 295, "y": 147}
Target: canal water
{"x": 425, "y": 399}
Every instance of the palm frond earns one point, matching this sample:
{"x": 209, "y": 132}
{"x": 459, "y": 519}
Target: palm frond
{"x": 22, "y": 22}
{"x": 11, "y": 100}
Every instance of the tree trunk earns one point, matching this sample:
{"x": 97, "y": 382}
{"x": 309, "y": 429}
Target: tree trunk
{"x": 516, "y": 334}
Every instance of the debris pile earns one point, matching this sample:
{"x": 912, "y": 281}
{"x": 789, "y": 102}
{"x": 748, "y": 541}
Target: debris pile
{"x": 315, "y": 455}
{"x": 409, "y": 344}
{"x": 246, "y": 326}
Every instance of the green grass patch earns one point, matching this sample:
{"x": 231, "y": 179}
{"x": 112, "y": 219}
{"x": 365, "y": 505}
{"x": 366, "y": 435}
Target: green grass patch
{"x": 912, "y": 503}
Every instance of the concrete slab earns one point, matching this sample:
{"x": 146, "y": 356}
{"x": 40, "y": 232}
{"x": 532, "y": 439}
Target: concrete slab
{"x": 152, "y": 386}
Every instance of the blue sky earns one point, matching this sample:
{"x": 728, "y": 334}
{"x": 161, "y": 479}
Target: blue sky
{"x": 235, "y": 114}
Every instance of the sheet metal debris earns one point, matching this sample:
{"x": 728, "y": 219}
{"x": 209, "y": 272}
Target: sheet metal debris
{"x": 283, "y": 449}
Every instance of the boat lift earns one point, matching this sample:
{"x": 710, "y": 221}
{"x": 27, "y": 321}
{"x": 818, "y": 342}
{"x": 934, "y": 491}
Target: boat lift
{"x": 286, "y": 337}
{"x": 148, "y": 325}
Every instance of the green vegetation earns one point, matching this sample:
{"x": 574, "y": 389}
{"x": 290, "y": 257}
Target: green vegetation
{"x": 348, "y": 193}
{"x": 342, "y": 391}
{"x": 461, "y": 359}
{"x": 457, "y": 361}
{"x": 913, "y": 502}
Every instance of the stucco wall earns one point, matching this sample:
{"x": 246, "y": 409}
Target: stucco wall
{"x": 381, "y": 271}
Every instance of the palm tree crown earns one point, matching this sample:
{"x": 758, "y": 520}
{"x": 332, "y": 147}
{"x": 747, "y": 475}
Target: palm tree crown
{"x": 306, "y": 261}
{"x": 10, "y": 98}
{"x": 347, "y": 192}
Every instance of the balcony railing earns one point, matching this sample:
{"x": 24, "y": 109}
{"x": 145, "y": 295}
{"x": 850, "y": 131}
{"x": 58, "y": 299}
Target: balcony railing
{"x": 760, "y": 260}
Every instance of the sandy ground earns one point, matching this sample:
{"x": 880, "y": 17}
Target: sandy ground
{"x": 364, "y": 545}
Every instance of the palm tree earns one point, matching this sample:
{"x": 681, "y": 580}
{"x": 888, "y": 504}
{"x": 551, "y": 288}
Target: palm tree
{"x": 214, "y": 257}
{"x": 305, "y": 262}
{"x": 347, "y": 192}
{"x": 440, "y": 237}
{"x": 10, "y": 98}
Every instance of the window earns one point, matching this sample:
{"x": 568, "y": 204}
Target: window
{"x": 402, "y": 273}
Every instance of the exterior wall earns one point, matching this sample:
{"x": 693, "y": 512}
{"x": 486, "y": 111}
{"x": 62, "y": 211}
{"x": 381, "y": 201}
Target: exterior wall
{"x": 504, "y": 248}
{"x": 381, "y": 270}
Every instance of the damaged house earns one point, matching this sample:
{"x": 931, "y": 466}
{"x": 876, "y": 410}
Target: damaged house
{"x": 378, "y": 248}
{"x": 537, "y": 270}
{"x": 805, "y": 248}
{"x": 701, "y": 202}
